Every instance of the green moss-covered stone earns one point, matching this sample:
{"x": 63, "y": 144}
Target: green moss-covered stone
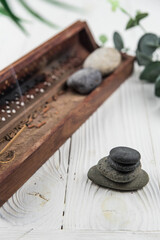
{"x": 139, "y": 182}
{"x": 106, "y": 170}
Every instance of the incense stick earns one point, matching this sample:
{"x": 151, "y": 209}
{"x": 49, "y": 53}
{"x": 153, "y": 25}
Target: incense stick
{"x": 13, "y": 139}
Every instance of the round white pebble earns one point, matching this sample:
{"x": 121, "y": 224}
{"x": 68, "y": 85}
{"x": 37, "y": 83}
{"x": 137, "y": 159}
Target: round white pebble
{"x": 106, "y": 60}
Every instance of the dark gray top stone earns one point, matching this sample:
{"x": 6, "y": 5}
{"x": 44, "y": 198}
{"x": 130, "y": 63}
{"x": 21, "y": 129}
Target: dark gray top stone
{"x": 139, "y": 182}
{"x": 125, "y": 155}
{"x": 116, "y": 176}
{"x": 121, "y": 167}
{"x": 85, "y": 80}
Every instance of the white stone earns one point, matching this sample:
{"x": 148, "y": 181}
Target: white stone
{"x": 106, "y": 60}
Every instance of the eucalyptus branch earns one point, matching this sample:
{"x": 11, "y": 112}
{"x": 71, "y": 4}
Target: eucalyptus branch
{"x": 125, "y": 12}
{"x": 133, "y": 21}
{"x": 143, "y": 29}
{"x": 146, "y": 47}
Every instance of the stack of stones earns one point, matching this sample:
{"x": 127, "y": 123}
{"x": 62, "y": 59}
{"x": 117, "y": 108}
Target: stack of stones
{"x": 121, "y": 170}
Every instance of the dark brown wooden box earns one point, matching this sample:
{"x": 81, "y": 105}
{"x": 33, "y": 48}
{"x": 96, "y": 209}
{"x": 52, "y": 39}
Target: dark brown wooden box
{"x": 60, "y": 110}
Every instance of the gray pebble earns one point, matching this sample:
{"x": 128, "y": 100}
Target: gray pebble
{"x": 85, "y": 80}
{"x": 106, "y": 170}
{"x": 139, "y": 182}
{"x": 125, "y": 155}
{"x": 106, "y": 60}
{"x": 121, "y": 167}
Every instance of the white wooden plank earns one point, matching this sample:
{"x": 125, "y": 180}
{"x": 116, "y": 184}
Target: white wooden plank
{"x": 134, "y": 120}
{"x": 120, "y": 121}
{"x": 93, "y": 235}
{"x": 152, "y": 107}
{"x": 78, "y": 235}
{"x": 40, "y": 201}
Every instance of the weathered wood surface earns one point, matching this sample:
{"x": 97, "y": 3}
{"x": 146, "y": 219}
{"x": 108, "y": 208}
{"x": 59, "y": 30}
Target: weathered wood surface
{"x": 83, "y": 210}
{"x": 81, "y": 234}
{"x": 64, "y": 116}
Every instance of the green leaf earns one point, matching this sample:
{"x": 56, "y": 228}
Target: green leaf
{"x": 37, "y": 15}
{"x": 16, "y": 19}
{"x": 114, "y": 4}
{"x": 140, "y": 16}
{"x": 131, "y": 23}
{"x": 118, "y": 41}
{"x": 123, "y": 10}
{"x": 142, "y": 59}
{"x": 3, "y": 11}
{"x": 148, "y": 43}
{"x": 65, "y": 6}
{"x": 151, "y": 72}
{"x": 103, "y": 38}
{"x": 157, "y": 86}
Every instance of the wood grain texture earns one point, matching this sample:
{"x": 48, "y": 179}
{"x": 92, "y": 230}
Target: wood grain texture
{"x": 125, "y": 125}
{"x": 40, "y": 52}
{"x": 78, "y": 235}
{"x": 65, "y": 116}
{"x": 85, "y": 235}
{"x": 106, "y": 127}
{"x": 42, "y": 196}
{"x": 55, "y": 58}
{"x": 152, "y": 108}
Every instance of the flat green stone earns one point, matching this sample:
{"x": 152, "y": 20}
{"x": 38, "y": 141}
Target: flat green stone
{"x": 106, "y": 170}
{"x": 139, "y": 182}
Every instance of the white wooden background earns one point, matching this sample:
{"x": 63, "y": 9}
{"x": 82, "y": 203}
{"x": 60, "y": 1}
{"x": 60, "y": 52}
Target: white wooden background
{"x": 58, "y": 201}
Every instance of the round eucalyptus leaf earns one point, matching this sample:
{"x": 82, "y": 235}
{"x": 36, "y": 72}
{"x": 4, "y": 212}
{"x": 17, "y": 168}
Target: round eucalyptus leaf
{"x": 142, "y": 59}
{"x": 103, "y": 38}
{"x": 118, "y": 41}
{"x": 148, "y": 43}
{"x": 157, "y": 86}
{"x": 151, "y": 72}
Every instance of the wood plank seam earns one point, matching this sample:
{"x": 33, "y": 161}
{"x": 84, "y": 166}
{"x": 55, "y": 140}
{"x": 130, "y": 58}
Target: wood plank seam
{"x": 66, "y": 187}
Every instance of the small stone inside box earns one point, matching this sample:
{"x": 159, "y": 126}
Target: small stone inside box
{"x": 99, "y": 63}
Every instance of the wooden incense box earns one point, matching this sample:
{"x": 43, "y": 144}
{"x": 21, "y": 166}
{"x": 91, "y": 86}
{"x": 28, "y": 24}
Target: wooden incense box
{"x": 37, "y": 110}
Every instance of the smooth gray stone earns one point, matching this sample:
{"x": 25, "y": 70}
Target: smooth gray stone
{"x": 121, "y": 167}
{"x": 106, "y": 170}
{"x": 125, "y": 155}
{"x": 139, "y": 182}
{"x": 85, "y": 80}
{"x": 106, "y": 60}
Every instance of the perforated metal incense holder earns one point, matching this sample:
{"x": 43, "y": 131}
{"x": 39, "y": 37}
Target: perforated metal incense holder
{"x": 38, "y": 112}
